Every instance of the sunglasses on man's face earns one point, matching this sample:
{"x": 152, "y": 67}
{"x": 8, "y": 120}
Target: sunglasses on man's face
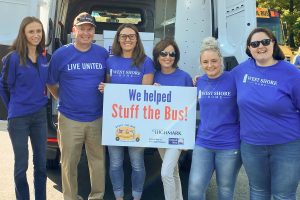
{"x": 264, "y": 42}
{"x": 165, "y": 54}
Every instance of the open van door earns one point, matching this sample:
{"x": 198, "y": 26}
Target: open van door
{"x": 235, "y": 20}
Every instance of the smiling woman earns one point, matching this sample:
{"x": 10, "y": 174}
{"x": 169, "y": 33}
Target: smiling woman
{"x": 166, "y": 55}
{"x": 128, "y": 41}
{"x": 22, "y": 88}
{"x": 217, "y": 146}
{"x": 128, "y": 65}
{"x": 268, "y": 99}
{"x": 261, "y": 49}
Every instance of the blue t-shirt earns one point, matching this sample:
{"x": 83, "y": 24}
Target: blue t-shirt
{"x": 269, "y": 102}
{"x": 219, "y": 126}
{"x": 23, "y": 88}
{"x": 121, "y": 70}
{"x": 79, "y": 74}
{"x": 177, "y": 78}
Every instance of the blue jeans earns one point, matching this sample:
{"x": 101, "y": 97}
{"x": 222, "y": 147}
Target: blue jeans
{"x": 272, "y": 170}
{"x": 116, "y": 158}
{"x": 20, "y": 128}
{"x": 226, "y": 163}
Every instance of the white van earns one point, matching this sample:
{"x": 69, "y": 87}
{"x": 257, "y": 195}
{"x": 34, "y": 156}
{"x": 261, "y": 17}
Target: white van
{"x": 188, "y": 22}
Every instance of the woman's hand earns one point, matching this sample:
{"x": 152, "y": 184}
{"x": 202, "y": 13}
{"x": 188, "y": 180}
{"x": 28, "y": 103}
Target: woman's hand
{"x": 184, "y": 149}
{"x": 101, "y": 87}
{"x": 195, "y": 79}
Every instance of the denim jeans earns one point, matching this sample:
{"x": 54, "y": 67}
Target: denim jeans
{"x": 116, "y": 158}
{"x": 226, "y": 164}
{"x": 33, "y": 126}
{"x": 272, "y": 170}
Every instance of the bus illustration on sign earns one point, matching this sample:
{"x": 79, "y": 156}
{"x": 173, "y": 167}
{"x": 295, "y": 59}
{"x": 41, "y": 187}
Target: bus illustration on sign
{"x": 127, "y": 133}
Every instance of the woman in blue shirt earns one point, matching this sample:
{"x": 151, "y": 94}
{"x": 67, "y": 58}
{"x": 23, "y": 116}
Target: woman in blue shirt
{"x": 268, "y": 96}
{"x": 128, "y": 65}
{"x": 22, "y": 88}
{"x": 217, "y": 143}
{"x": 166, "y": 56}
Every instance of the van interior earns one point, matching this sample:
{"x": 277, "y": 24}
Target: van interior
{"x": 109, "y": 14}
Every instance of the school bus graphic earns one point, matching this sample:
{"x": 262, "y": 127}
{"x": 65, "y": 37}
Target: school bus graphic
{"x": 127, "y": 133}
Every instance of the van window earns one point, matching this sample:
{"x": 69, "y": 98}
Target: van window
{"x": 165, "y": 16}
{"x": 119, "y": 16}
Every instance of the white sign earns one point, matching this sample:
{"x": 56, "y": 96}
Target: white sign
{"x": 149, "y": 116}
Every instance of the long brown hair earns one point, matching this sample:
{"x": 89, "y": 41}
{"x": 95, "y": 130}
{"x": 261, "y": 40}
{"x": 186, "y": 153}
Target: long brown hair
{"x": 138, "y": 55}
{"x": 20, "y": 43}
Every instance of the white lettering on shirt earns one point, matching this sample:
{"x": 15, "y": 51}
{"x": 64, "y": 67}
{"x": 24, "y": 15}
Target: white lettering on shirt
{"x": 84, "y": 66}
{"x": 259, "y": 81}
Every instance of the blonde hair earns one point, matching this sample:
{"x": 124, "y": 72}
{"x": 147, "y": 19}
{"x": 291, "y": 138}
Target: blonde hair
{"x": 211, "y": 44}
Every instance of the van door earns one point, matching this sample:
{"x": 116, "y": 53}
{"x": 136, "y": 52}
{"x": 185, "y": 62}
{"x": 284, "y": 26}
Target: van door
{"x": 235, "y": 20}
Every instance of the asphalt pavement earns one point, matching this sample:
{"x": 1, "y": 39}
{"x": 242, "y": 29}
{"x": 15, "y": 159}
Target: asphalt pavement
{"x": 153, "y": 189}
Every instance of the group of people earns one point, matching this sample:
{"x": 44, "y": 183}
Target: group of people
{"x": 249, "y": 115}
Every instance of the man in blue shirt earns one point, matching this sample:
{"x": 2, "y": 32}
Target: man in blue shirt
{"x": 75, "y": 72}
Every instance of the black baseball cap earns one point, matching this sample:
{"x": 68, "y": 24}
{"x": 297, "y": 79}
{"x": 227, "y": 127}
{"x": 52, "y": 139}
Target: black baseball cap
{"x": 84, "y": 18}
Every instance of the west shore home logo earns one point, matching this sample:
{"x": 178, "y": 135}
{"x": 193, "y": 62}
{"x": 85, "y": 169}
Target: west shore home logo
{"x": 259, "y": 81}
{"x": 124, "y": 73}
{"x": 214, "y": 94}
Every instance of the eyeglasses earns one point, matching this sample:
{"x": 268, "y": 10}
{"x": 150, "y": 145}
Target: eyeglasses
{"x": 125, "y": 36}
{"x": 264, "y": 42}
{"x": 165, "y": 54}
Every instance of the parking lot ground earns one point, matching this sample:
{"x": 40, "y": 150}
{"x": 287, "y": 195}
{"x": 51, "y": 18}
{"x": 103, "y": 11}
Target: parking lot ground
{"x": 153, "y": 189}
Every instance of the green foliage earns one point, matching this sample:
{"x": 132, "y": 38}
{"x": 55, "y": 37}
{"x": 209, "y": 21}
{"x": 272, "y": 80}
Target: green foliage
{"x": 290, "y": 14}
